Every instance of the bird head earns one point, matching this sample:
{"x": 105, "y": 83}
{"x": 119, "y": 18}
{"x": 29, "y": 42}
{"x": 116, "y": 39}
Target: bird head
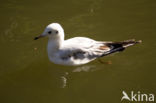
{"x": 53, "y": 30}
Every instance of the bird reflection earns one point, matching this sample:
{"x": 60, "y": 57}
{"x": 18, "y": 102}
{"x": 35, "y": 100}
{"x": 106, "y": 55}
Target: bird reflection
{"x": 84, "y": 68}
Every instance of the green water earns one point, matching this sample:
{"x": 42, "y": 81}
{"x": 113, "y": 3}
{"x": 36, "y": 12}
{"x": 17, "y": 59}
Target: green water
{"x": 27, "y": 76}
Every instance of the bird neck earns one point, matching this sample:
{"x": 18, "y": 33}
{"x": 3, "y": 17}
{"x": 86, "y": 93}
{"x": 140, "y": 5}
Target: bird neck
{"x": 54, "y": 44}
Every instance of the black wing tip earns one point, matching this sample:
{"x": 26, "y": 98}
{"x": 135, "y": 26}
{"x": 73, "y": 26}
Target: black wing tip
{"x": 130, "y": 42}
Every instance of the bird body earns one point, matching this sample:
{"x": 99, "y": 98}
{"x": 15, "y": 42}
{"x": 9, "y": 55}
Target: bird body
{"x": 78, "y": 50}
{"x": 75, "y": 51}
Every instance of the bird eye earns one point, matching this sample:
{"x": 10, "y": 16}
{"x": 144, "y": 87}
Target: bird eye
{"x": 49, "y": 32}
{"x": 56, "y": 32}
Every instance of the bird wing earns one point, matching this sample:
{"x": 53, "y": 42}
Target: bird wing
{"x": 82, "y": 48}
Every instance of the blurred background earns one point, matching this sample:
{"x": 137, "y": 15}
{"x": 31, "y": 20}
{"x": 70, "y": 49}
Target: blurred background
{"x": 27, "y": 76}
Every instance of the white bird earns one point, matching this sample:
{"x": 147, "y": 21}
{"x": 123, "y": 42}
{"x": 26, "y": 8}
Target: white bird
{"x": 78, "y": 50}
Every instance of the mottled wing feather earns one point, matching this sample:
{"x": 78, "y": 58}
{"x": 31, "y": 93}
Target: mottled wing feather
{"x": 82, "y": 48}
{"x": 104, "y": 47}
{"x": 76, "y": 54}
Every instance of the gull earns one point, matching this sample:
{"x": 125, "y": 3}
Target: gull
{"x": 78, "y": 50}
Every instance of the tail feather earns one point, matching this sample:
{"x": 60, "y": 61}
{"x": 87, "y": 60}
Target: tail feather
{"x": 128, "y": 43}
{"x": 120, "y": 46}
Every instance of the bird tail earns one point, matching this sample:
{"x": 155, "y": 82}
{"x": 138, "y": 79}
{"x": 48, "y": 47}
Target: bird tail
{"x": 120, "y": 46}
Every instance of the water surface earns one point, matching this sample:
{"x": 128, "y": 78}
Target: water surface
{"x": 27, "y": 76}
